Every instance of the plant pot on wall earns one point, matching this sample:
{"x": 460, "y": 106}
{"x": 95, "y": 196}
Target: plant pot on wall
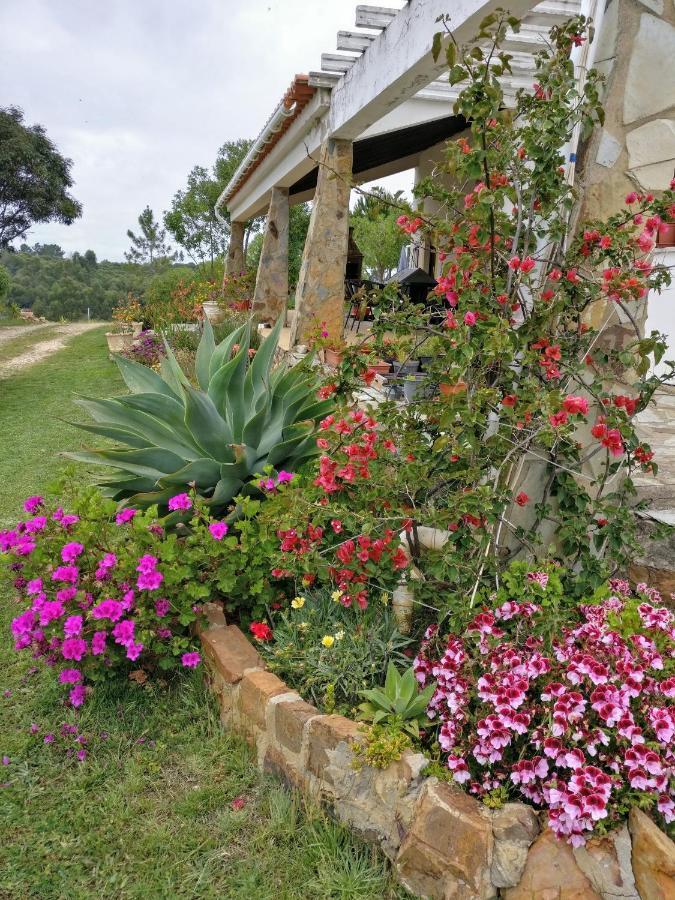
{"x": 118, "y": 343}
{"x": 414, "y": 387}
{"x": 332, "y": 357}
{"x": 666, "y": 235}
{"x": 136, "y": 328}
{"x": 213, "y": 311}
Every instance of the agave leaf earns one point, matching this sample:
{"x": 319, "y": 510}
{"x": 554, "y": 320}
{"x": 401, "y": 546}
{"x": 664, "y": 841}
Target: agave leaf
{"x": 203, "y": 472}
{"x": 391, "y": 682}
{"x": 152, "y": 462}
{"x": 220, "y": 383}
{"x": 171, "y": 370}
{"x": 259, "y": 370}
{"x": 316, "y": 410}
{"x": 115, "y": 434}
{"x": 207, "y": 345}
{"x": 114, "y": 412}
{"x": 132, "y": 485}
{"x": 141, "y": 379}
{"x": 167, "y": 411}
{"x": 151, "y": 498}
{"x": 408, "y": 686}
{"x": 378, "y": 698}
{"x": 285, "y": 449}
{"x": 226, "y": 490}
{"x": 206, "y": 426}
{"x": 255, "y": 428}
{"x": 417, "y": 707}
{"x": 223, "y": 351}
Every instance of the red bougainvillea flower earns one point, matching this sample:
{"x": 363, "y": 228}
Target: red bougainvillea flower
{"x": 575, "y": 405}
{"x": 522, "y": 498}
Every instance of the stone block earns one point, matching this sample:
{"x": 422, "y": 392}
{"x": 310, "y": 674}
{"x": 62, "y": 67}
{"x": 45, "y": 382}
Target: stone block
{"x": 551, "y": 873}
{"x": 447, "y": 851}
{"x": 609, "y": 150}
{"x": 256, "y": 689}
{"x": 289, "y": 722}
{"x": 653, "y": 857}
{"x": 653, "y": 49}
{"x": 514, "y": 828}
{"x": 230, "y": 652}
{"x": 215, "y": 617}
{"x": 275, "y": 763}
{"x": 326, "y": 733}
{"x": 606, "y": 863}
{"x": 651, "y": 153}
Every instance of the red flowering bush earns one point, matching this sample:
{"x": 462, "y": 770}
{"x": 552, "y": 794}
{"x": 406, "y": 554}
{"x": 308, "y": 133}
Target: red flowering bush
{"x": 579, "y": 722}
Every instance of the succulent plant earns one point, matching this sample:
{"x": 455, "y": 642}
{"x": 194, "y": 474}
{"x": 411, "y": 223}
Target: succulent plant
{"x": 400, "y": 704}
{"x": 246, "y": 414}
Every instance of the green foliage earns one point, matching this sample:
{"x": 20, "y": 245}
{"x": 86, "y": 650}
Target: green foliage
{"x": 380, "y": 746}
{"x": 58, "y": 288}
{"x": 399, "y": 704}
{"x": 332, "y": 676}
{"x": 244, "y": 417}
{"x": 34, "y": 179}
{"x": 192, "y": 220}
{"x": 5, "y": 283}
{"x": 376, "y": 233}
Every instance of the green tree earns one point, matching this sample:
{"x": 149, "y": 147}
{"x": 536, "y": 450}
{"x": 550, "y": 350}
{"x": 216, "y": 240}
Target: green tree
{"x": 149, "y": 246}
{"x": 375, "y": 231}
{"x": 192, "y": 220}
{"x": 5, "y": 283}
{"x": 34, "y": 179}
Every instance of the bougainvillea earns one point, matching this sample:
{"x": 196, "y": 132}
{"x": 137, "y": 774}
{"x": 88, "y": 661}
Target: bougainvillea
{"x": 579, "y": 723}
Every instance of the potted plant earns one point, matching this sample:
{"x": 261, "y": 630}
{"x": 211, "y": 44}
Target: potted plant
{"x": 452, "y": 389}
{"x": 413, "y": 386}
{"x": 127, "y": 319}
{"x": 403, "y": 364}
{"x": 666, "y": 234}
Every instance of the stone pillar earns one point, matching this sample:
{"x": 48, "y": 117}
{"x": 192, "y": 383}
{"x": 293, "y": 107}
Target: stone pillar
{"x": 635, "y": 149}
{"x": 271, "y": 284}
{"x": 321, "y": 285}
{"x": 235, "y": 263}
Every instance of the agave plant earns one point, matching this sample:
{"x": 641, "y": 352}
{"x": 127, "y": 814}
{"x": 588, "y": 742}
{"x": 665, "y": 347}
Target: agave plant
{"x": 399, "y": 704}
{"x": 246, "y": 414}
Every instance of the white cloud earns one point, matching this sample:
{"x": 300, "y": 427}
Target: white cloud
{"x": 137, "y": 92}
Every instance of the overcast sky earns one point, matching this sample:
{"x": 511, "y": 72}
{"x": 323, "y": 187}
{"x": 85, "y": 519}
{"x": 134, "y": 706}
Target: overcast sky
{"x": 137, "y": 92}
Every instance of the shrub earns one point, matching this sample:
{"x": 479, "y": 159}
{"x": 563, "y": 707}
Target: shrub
{"x": 577, "y": 719}
{"x": 104, "y": 592}
{"x": 245, "y": 417}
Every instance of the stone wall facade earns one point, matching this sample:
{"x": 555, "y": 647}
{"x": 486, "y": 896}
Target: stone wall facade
{"x": 444, "y": 844}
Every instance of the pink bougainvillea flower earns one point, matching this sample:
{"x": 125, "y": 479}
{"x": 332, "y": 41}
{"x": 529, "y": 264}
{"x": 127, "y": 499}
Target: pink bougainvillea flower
{"x": 73, "y": 648}
{"x": 147, "y": 563}
{"x": 218, "y": 530}
{"x": 575, "y": 405}
{"x": 78, "y": 695}
{"x": 71, "y": 551}
{"x": 108, "y": 609}
{"x": 470, "y": 318}
{"x": 33, "y": 503}
{"x": 124, "y": 516}
{"x": 70, "y": 676}
{"x": 162, "y": 607}
{"x": 134, "y": 650}
{"x": 72, "y": 627}
{"x": 98, "y": 642}
{"x": 190, "y": 660}
{"x": 123, "y": 632}
{"x": 69, "y": 574}
{"x": 149, "y": 581}
{"x": 180, "y": 502}
{"x": 284, "y": 477}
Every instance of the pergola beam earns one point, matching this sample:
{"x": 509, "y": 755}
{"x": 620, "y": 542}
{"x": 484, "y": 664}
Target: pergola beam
{"x": 399, "y": 63}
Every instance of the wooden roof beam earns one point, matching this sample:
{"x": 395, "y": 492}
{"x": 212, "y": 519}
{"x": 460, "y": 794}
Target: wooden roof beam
{"x": 355, "y": 41}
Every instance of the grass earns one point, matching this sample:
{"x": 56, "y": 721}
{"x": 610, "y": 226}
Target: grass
{"x": 149, "y": 813}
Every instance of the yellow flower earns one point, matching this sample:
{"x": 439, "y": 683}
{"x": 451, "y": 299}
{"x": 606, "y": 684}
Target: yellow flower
{"x": 328, "y": 640}
{"x": 339, "y": 635}
{"x": 336, "y": 596}
{"x": 298, "y": 602}
{"x": 384, "y": 598}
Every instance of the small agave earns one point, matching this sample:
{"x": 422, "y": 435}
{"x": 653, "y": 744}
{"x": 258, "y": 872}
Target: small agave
{"x": 245, "y": 415}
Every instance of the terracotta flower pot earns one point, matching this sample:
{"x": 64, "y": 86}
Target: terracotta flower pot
{"x": 332, "y": 357}
{"x": 136, "y": 328}
{"x": 451, "y": 390}
{"x": 666, "y": 235}
{"x": 380, "y": 368}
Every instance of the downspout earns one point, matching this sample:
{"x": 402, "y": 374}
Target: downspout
{"x": 274, "y": 125}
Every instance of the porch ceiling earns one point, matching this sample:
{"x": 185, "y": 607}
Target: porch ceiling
{"x": 394, "y": 151}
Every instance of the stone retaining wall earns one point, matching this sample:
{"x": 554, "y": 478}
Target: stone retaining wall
{"x": 443, "y": 843}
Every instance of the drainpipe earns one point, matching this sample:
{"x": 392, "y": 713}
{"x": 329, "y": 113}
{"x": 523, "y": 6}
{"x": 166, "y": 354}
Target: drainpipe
{"x": 274, "y": 125}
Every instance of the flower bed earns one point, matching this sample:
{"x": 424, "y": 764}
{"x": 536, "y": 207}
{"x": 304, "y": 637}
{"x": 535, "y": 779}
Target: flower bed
{"x": 442, "y": 841}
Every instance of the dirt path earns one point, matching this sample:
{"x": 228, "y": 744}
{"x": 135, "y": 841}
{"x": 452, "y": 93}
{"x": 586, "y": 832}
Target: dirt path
{"x": 41, "y": 349}
{"x": 13, "y": 331}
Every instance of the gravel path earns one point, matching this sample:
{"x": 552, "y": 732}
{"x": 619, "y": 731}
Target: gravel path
{"x": 40, "y": 349}
{"x": 13, "y": 331}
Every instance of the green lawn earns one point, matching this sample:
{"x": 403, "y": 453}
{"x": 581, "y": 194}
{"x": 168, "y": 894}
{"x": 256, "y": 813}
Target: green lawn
{"x": 149, "y": 813}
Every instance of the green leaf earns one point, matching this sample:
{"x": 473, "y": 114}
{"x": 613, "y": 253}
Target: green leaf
{"x": 206, "y": 425}
{"x": 436, "y": 45}
{"x": 205, "y": 350}
{"x": 141, "y": 379}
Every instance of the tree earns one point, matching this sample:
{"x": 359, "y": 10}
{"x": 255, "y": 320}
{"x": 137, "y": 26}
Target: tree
{"x": 375, "y": 231}
{"x": 192, "y": 220}
{"x": 150, "y": 245}
{"x": 34, "y": 179}
{"x": 5, "y": 283}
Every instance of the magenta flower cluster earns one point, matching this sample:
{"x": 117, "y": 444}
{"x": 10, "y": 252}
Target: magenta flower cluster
{"x": 89, "y": 608}
{"x": 580, "y": 725}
